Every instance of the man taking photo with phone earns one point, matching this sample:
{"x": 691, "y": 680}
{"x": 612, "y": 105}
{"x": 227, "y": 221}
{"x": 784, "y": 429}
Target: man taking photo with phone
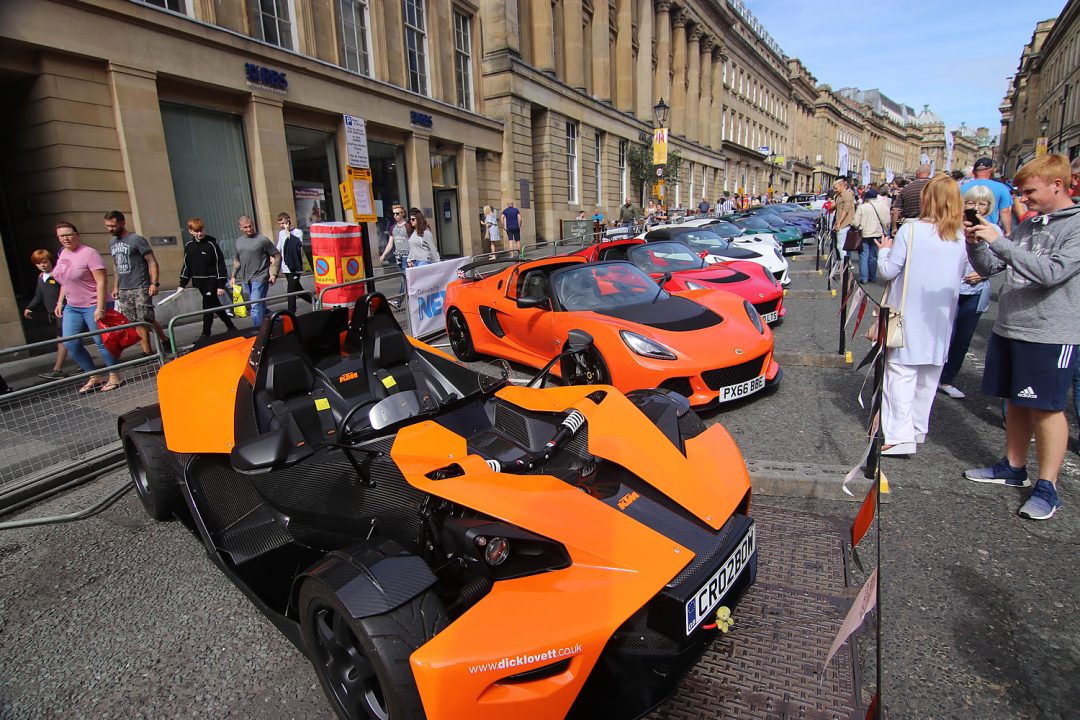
{"x": 1031, "y": 355}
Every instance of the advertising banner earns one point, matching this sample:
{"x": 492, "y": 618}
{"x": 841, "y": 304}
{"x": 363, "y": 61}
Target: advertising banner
{"x": 948, "y": 151}
{"x": 659, "y": 146}
{"x": 865, "y": 172}
{"x": 842, "y": 161}
{"x": 362, "y": 198}
{"x": 427, "y": 295}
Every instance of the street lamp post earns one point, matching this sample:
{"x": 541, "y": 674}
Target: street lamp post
{"x": 660, "y": 135}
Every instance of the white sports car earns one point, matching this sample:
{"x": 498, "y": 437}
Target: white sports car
{"x": 722, "y": 241}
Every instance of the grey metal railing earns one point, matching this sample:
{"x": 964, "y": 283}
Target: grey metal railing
{"x": 50, "y": 431}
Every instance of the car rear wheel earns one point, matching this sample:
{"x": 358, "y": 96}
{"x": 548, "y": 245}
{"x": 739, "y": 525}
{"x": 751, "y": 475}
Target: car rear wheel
{"x": 148, "y": 463}
{"x": 363, "y": 664}
{"x": 587, "y": 368}
{"x": 460, "y": 338}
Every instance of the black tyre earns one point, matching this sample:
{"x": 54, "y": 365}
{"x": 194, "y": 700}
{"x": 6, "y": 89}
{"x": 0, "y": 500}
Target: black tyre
{"x": 148, "y": 462}
{"x": 457, "y": 329}
{"x": 363, "y": 665}
{"x": 588, "y": 368}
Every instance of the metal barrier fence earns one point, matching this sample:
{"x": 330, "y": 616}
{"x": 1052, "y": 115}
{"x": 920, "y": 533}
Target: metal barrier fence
{"x": 49, "y": 431}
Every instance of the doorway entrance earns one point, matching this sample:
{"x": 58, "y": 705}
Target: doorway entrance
{"x": 447, "y": 227}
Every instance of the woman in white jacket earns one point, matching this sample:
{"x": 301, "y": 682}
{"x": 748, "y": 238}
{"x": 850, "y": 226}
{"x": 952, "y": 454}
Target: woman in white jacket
{"x": 930, "y": 255}
{"x": 871, "y": 217}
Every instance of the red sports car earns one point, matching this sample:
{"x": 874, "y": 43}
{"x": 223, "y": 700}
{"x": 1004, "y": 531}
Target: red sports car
{"x": 707, "y": 345}
{"x": 689, "y": 271}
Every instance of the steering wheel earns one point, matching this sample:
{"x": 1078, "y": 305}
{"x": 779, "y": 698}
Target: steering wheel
{"x": 578, "y": 298}
{"x": 343, "y": 425}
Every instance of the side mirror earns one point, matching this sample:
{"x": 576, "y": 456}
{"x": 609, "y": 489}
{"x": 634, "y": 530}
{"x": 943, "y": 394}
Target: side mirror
{"x": 534, "y": 302}
{"x": 664, "y": 279}
{"x": 261, "y": 453}
{"x": 579, "y": 340}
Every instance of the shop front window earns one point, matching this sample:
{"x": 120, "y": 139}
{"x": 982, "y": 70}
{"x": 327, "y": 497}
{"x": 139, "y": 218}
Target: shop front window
{"x": 388, "y": 182}
{"x": 313, "y": 160}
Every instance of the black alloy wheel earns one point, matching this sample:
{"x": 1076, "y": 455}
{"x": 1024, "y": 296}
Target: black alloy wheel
{"x": 148, "y": 464}
{"x": 363, "y": 664}
{"x": 587, "y": 368}
{"x": 460, "y": 339}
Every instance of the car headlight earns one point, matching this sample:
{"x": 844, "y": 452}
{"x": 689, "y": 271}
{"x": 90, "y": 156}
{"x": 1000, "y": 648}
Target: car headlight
{"x": 691, "y": 285}
{"x": 645, "y": 347}
{"x": 754, "y": 316}
{"x": 770, "y": 276}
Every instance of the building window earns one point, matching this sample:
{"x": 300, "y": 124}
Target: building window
{"x": 273, "y": 22}
{"x": 177, "y": 6}
{"x": 624, "y": 146}
{"x": 571, "y": 162}
{"x": 599, "y": 146}
{"x": 463, "y": 59}
{"x": 416, "y": 45}
{"x": 354, "y": 35}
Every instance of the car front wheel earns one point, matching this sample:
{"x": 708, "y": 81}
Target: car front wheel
{"x": 363, "y": 664}
{"x": 587, "y": 368}
{"x": 460, "y": 339}
{"x": 148, "y": 463}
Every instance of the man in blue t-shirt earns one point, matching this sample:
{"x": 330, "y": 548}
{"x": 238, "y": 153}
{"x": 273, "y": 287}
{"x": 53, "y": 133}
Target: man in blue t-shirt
{"x": 511, "y": 222}
{"x": 1002, "y": 213}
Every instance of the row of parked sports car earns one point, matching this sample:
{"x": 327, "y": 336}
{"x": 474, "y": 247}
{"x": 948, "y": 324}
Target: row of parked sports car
{"x": 442, "y": 543}
{"x": 683, "y": 307}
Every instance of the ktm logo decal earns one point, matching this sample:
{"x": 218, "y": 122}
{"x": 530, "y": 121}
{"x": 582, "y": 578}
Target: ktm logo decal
{"x": 347, "y": 377}
{"x": 628, "y": 499}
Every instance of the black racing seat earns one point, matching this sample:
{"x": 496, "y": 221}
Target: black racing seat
{"x": 287, "y": 396}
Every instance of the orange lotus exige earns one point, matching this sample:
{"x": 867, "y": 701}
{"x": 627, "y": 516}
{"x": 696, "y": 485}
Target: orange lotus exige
{"x": 710, "y": 346}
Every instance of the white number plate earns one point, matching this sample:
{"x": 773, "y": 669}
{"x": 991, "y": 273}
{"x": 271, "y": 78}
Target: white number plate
{"x": 712, "y": 593}
{"x": 770, "y": 317}
{"x": 733, "y": 392}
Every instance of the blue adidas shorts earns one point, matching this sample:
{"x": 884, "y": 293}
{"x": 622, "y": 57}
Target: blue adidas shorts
{"x": 1029, "y": 374}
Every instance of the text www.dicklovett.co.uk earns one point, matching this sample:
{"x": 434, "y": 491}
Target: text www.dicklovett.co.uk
{"x": 521, "y": 660}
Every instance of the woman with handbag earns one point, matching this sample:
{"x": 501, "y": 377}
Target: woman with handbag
{"x": 81, "y": 273}
{"x": 924, "y": 265}
{"x": 870, "y": 219}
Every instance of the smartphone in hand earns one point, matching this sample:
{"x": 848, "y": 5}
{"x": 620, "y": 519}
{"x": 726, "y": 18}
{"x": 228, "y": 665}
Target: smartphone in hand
{"x": 971, "y": 216}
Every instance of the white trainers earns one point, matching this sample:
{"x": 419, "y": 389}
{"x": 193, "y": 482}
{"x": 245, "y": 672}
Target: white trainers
{"x": 952, "y": 391}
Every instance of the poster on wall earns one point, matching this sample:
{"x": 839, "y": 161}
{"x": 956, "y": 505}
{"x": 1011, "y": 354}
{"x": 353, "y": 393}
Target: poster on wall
{"x": 310, "y": 203}
{"x": 356, "y": 147}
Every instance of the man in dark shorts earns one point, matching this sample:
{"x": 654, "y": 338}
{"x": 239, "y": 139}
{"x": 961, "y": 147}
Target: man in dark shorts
{"x": 1031, "y": 356}
{"x": 135, "y": 281}
{"x": 511, "y": 220}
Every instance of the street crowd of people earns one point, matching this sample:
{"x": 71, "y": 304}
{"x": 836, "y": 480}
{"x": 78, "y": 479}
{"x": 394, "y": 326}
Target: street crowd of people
{"x": 937, "y": 241}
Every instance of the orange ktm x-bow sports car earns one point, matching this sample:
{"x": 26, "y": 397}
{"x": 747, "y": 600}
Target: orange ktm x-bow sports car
{"x": 439, "y": 542}
{"x": 707, "y": 345}
{"x": 689, "y": 271}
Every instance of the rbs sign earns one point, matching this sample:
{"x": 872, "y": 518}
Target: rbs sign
{"x": 258, "y": 75}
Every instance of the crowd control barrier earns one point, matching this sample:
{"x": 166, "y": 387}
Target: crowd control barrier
{"x": 52, "y": 434}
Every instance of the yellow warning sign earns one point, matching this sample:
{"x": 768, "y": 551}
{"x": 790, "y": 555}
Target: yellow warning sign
{"x": 352, "y": 267}
{"x": 325, "y": 270}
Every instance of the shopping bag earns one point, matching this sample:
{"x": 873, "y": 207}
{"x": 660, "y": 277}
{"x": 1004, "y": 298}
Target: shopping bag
{"x": 238, "y": 297}
{"x": 117, "y": 340}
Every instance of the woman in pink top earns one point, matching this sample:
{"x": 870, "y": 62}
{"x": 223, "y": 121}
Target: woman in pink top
{"x": 81, "y": 273}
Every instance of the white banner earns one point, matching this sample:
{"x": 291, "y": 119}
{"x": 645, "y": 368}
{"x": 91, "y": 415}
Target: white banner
{"x": 948, "y": 151}
{"x": 889, "y": 175}
{"x": 427, "y": 294}
{"x": 842, "y": 160}
{"x": 865, "y": 172}
{"x": 924, "y": 159}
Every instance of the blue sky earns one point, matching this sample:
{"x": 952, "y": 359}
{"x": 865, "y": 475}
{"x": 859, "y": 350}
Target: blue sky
{"x": 953, "y": 56}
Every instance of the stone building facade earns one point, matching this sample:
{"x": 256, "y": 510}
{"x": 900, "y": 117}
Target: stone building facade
{"x": 1044, "y": 93}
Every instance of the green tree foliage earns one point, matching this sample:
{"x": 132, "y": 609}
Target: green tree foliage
{"x": 642, "y": 170}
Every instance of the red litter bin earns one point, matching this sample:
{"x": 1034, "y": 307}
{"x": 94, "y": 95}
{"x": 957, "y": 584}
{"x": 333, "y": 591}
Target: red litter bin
{"x": 337, "y": 256}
